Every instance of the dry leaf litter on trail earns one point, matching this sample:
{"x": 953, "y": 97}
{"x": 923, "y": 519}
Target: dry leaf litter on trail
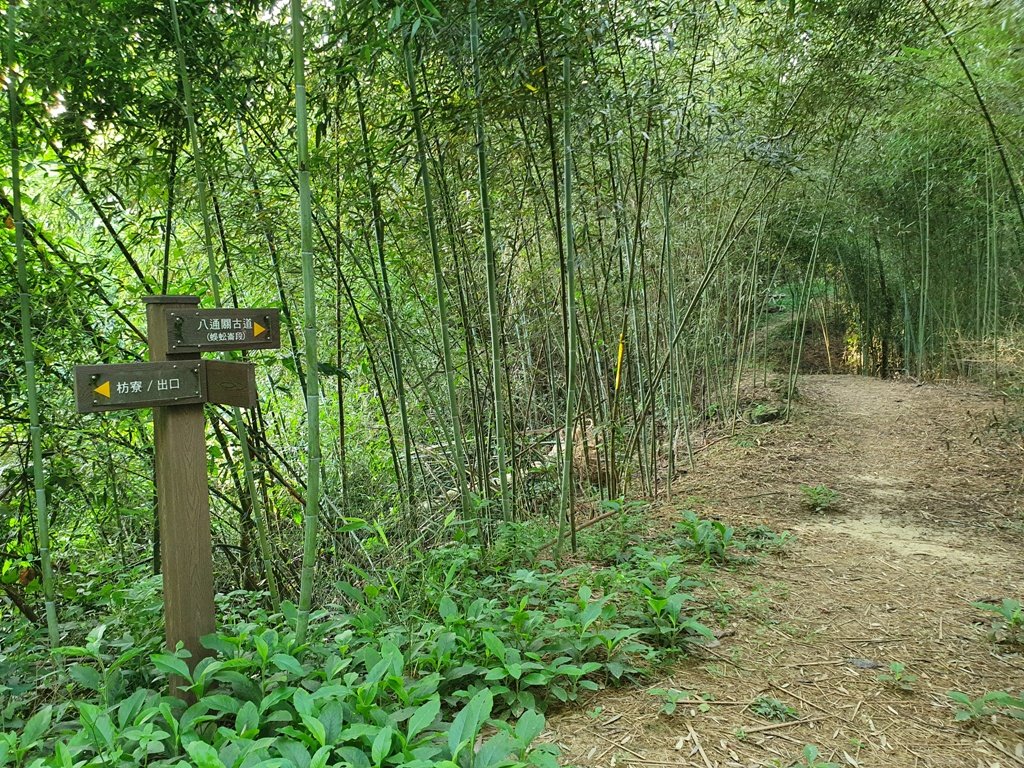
{"x": 929, "y": 518}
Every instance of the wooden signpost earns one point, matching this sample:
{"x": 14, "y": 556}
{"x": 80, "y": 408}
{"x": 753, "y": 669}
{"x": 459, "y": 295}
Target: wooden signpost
{"x": 208, "y": 330}
{"x": 101, "y": 388}
{"x": 176, "y": 383}
{"x": 137, "y": 385}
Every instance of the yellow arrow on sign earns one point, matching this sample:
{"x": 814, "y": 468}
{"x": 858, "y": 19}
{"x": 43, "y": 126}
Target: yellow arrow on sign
{"x": 257, "y": 329}
{"x": 103, "y": 389}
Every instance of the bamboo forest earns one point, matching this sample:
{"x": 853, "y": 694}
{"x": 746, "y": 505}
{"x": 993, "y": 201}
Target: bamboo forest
{"x": 511, "y": 384}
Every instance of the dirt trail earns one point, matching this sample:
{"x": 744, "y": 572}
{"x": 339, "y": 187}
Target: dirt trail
{"x": 930, "y": 517}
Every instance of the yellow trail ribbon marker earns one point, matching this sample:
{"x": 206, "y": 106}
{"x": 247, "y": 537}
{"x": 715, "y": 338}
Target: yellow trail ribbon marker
{"x": 618, "y": 365}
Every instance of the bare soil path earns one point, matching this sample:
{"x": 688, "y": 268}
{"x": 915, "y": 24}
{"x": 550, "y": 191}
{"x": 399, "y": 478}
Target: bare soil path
{"x": 930, "y": 517}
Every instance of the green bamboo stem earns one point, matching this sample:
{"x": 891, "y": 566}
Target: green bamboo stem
{"x": 565, "y": 498}
{"x": 458, "y": 448}
{"x": 797, "y": 352}
{"x": 993, "y": 245}
{"x": 998, "y": 142}
{"x": 492, "y": 271}
{"x": 672, "y": 397}
{"x": 800, "y": 327}
{"x": 312, "y": 510}
{"x": 725, "y": 242}
{"x": 27, "y": 341}
{"x": 390, "y": 321}
{"x": 338, "y": 328}
{"x": 275, "y": 261}
{"x": 925, "y": 224}
{"x": 906, "y": 332}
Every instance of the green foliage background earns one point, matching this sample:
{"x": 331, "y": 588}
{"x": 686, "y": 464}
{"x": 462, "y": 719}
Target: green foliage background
{"x": 739, "y": 147}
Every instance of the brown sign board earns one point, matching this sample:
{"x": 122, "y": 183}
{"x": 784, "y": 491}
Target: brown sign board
{"x": 230, "y": 383}
{"x": 214, "y": 330}
{"x": 138, "y": 385}
{"x": 101, "y": 388}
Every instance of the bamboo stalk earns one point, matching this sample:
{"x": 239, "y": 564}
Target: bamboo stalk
{"x": 458, "y": 447}
{"x": 27, "y": 340}
{"x": 565, "y": 499}
{"x": 924, "y": 226}
{"x": 492, "y": 270}
{"x": 390, "y": 322}
{"x": 312, "y": 508}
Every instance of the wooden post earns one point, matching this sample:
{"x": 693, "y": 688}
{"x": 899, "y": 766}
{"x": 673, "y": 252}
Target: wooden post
{"x": 176, "y": 383}
{"x": 183, "y": 497}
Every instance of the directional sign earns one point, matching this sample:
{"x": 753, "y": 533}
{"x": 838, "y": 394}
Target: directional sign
{"x": 230, "y": 383}
{"x": 175, "y": 383}
{"x": 138, "y": 385}
{"x": 209, "y": 330}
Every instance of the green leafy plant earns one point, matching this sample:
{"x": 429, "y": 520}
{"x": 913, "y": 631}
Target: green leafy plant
{"x": 773, "y": 709}
{"x": 672, "y": 698}
{"x": 665, "y": 603}
{"x": 711, "y": 539}
{"x": 516, "y": 544}
{"x": 898, "y": 677}
{"x": 610, "y": 542}
{"x": 1008, "y": 625}
{"x": 987, "y": 705}
{"x": 386, "y": 677}
{"x": 346, "y": 702}
{"x": 762, "y": 413}
{"x": 811, "y": 758}
{"x": 763, "y": 538}
{"x": 818, "y": 498}
{"x": 101, "y": 668}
